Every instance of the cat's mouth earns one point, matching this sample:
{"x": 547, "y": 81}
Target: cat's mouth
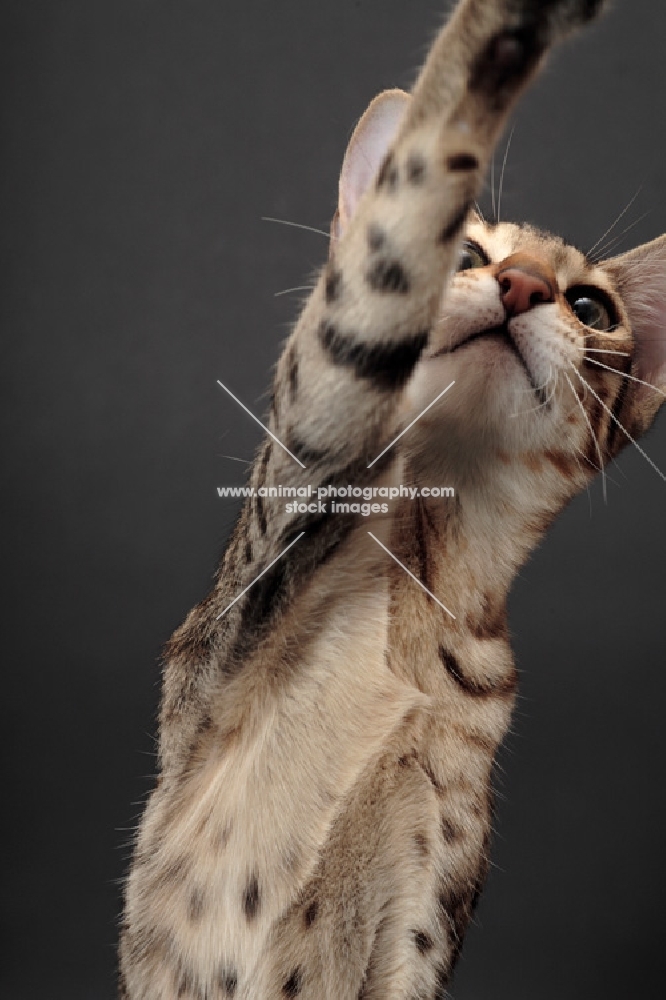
{"x": 502, "y": 333}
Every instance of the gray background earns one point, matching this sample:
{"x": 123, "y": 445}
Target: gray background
{"x": 142, "y": 142}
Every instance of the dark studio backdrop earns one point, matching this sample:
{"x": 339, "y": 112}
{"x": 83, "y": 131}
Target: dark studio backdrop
{"x": 142, "y": 142}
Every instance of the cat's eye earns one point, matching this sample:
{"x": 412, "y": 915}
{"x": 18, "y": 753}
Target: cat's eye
{"x": 471, "y": 255}
{"x": 592, "y": 307}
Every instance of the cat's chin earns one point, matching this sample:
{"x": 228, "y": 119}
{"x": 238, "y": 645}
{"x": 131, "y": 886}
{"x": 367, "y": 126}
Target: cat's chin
{"x": 493, "y": 407}
{"x": 492, "y": 377}
{"x": 499, "y": 335}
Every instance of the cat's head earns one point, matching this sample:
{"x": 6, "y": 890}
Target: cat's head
{"x": 552, "y": 353}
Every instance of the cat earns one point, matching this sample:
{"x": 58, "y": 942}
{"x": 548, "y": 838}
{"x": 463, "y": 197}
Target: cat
{"x": 331, "y": 711}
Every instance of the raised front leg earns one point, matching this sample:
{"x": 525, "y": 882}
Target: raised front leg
{"x": 250, "y": 789}
{"x": 339, "y": 384}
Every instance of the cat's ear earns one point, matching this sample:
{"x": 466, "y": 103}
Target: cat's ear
{"x": 640, "y": 277}
{"x": 367, "y": 148}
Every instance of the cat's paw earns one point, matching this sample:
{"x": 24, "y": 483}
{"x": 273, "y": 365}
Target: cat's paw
{"x": 562, "y": 15}
{"x": 530, "y": 28}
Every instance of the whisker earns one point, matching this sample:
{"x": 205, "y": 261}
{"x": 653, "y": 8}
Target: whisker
{"x": 586, "y": 459}
{"x": 548, "y": 398}
{"x": 245, "y": 461}
{"x": 611, "y": 243}
{"x": 594, "y": 436}
{"x": 587, "y": 485}
{"x": 538, "y": 388}
{"x": 596, "y": 469}
{"x": 633, "y": 378}
{"x": 611, "y": 228}
{"x": 442, "y": 318}
{"x": 298, "y": 225}
{"x": 619, "y": 469}
{"x": 546, "y": 401}
{"x": 599, "y": 350}
{"x": 623, "y": 429}
{"x": 589, "y": 497}
{"x": 492, "y": 186}
{"x": 298, "y": 288}
{"x": 501, "y": 182}
{"x": 477, "y": 208}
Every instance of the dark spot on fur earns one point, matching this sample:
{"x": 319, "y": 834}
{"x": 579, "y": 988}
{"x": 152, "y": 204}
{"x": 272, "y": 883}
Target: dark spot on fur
{"x": 450, "y": 833}
{"x": 388, "y": 173}
{"x": 175, "y": 870}
{"x": 596, "y": 413}
{"x": 422, "y": 844}
{"x": 388, "y": 366}
{"x": 251, "y": 898}
{"x": 187, "y": 984}
{"x": 457, "y": 906}
{"x": 265, "y": 458}
{"x": 505, "y": 62}
{"x": 422, "y": 941}
{"x": 196, "y": 905}
{"x": 310, "y": 914}
{"x": 273, "y": 590}
{"x": 491, "y": 624}
{"x": 452, "y": 228}
{"x": 480, "y": 740}
{"x": 292, "y": 857}
{"x": 452, "y": 667}
{"x": 613, "y": 426}
{"x": 261, "y": 516}
{"x": 416, "y": 169}
{"x": 222, "y": 837}
{"x": 477, "y": 689}
{"x": 333, "y": 284}
{"x": 308, "y": 456}
{"x": 228, "y": 981}
{"x": 248, "y": 552}
{"x": 388, "y": 276}
{"x": 376, "y": 237}
{"x": 462, "y": 161}
{"x": 430, "y": 774}
{"x": 292, "y": 987}
{"x": 565, "y": 464}
{"x": 422, "y": 525}
{"x": 293, "y": 374}
{"x": 206, "y": 724}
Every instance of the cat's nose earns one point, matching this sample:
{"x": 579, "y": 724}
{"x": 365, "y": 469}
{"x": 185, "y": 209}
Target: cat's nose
{"x": 525, "y": 282}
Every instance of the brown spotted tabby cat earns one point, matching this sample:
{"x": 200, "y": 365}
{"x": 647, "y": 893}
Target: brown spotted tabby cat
{"x": 321, "y": 820}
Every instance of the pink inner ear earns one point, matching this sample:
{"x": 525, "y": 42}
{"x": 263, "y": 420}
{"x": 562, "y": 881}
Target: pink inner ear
{"x": 367, "y": 148}
{"x": 641, "y": 279}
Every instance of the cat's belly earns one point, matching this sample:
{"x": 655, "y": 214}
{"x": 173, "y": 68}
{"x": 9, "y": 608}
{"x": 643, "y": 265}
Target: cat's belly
{"x": 228, "y": 845}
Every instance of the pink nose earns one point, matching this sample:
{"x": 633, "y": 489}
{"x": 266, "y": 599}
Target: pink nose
{"x": 525, "y": 284}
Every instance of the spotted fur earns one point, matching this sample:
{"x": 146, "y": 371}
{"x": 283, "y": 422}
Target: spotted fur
{"x": 320, "y": 828}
